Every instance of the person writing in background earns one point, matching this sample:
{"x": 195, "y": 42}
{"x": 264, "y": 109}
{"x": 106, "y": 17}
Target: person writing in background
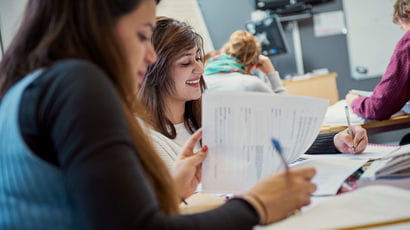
{"x": 393, "y": 91}
{"x": 172, "y": 88}
{"x": 240, "y": 56}
{"x": 72, "y": 154}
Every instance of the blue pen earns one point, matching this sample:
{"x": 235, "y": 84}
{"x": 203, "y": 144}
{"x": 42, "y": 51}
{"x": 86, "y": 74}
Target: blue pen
{"x": 279, "y": 149}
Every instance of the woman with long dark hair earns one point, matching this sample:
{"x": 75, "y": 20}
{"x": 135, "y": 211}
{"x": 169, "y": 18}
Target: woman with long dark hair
{"x": 172, "y": 89}
{"x": 73, "y": 156}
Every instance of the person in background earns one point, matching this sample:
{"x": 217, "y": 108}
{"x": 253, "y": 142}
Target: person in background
{"x": 72, "y": 154}
{"x": 172, "y": 89}
{"x": 211, "y": 54}
{"x": 232, "y": 70}
{"x": 393, "y": 90}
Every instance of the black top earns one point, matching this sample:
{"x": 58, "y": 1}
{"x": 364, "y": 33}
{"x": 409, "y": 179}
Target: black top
{"x": 72, "y": 118}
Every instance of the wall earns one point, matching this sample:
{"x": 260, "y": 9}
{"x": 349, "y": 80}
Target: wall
{"x": 10, "y": 15}
{"x": 224, "y": 17}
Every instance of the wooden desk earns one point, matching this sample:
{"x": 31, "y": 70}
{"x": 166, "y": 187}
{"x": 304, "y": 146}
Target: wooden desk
{"x": 320, "y": 86}
{"x": 372, "y": 127}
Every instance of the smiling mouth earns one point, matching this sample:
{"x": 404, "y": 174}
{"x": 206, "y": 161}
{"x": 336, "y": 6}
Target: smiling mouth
{"x": 192, "y": 82}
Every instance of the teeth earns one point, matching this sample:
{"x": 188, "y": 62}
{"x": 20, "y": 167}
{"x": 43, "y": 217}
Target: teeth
{"x": 192, "y": 82}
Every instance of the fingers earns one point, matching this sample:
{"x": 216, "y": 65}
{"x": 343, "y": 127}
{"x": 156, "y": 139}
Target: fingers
{"x": 189, "y": 146}
{"x": 360, "y": 138}
{"x": 199, "y": 157}
{"x": 306, "y": 172}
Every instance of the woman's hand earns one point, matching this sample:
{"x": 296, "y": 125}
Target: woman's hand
{"x": 187, "y": 168}
{"x": 350, "y": 97}
{"x": 280, "y": 195}
{"x": 345, "y": 143}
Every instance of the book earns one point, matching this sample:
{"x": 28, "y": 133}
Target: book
{"x": 395, "y": 162}
{"x": 396, "y": 166}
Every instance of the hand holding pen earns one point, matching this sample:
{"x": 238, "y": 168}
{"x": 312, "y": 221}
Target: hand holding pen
{"x": 349, "y": 126}
{"x": 354, "y": 136}
{"x": 277, "y": 196}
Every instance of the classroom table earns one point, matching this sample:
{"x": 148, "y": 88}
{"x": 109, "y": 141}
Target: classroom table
{"x": 372, "y": 127}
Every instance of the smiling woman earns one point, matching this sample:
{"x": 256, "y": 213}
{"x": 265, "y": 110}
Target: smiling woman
{"x": 72, "y": 154}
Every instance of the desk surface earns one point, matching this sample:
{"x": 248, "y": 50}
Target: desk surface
{"x": 323, "y": 86}
{"x": 372, "y": 127}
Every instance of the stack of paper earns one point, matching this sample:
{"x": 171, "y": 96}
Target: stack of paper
{"x": 238, "y": 127}
{"x": 395, "y": 163}
{"x": 397, "y": 166}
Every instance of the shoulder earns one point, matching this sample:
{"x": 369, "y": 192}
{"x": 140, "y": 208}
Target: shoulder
{"x": 403, "y": 45}
{"x": 72, "y": 71}
{"x": 165, "y": 147}
{"x": 75, "y": 79}
{"x": 253, "y": 83}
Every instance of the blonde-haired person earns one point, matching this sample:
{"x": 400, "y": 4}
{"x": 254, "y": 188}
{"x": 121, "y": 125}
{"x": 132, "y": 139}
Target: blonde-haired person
{"x": 232, "y": 70}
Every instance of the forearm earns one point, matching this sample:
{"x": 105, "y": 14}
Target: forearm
{"x": 276, "y": 82}
{"x": 323, "y": 144}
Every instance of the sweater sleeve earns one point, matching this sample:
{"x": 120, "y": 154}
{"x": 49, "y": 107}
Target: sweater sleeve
{"x": 393, "y": 91}
{"x": 323, "y": 144}
{"x": 276, "y": 83}
{"x": 167, "y": 150}
{"x": 81, "y": 115}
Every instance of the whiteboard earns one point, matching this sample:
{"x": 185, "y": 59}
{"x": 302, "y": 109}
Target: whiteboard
{"x": 371, "y": 36}
{"x": 187, "y": 11}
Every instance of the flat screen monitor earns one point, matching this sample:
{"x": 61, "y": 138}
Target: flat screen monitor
{"x": 270, "y": 33}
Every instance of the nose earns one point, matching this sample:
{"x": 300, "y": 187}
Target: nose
{"x": 151, "y": 55}
{"x": 199, "y": 68}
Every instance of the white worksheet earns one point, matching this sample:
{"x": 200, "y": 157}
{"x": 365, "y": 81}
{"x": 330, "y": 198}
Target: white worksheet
{"x": 238, "y": 127}
{"x": 331, "y": 172}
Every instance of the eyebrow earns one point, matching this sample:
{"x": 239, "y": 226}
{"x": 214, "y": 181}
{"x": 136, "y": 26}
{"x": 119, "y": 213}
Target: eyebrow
{"x": 149, "y": 25}
{"x": 188, "y": 54}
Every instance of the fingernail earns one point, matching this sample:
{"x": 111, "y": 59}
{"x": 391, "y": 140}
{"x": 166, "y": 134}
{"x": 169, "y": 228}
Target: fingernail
{"x": 204, "y": 148}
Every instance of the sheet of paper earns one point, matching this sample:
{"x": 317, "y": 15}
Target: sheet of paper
{"x": 372, "y": 204}
{"x": 238, "y": 127}
{"x": 331, "y": 172}
{"x": 335, "y": 115}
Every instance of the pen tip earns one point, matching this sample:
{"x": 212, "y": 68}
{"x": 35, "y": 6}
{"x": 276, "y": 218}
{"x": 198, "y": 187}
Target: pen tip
{"x": 277, "y": 145}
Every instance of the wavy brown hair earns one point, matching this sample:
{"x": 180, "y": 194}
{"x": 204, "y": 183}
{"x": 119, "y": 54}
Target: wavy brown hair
{"x": 170, "y": 38}
{"x": 401, "y": 11}
{"x": 85, "y": 29}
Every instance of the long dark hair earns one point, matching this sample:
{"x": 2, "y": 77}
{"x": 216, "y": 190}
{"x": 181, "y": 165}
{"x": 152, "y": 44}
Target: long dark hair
{"x": 85, "y": 29}
{"x": 170, "y": 38}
